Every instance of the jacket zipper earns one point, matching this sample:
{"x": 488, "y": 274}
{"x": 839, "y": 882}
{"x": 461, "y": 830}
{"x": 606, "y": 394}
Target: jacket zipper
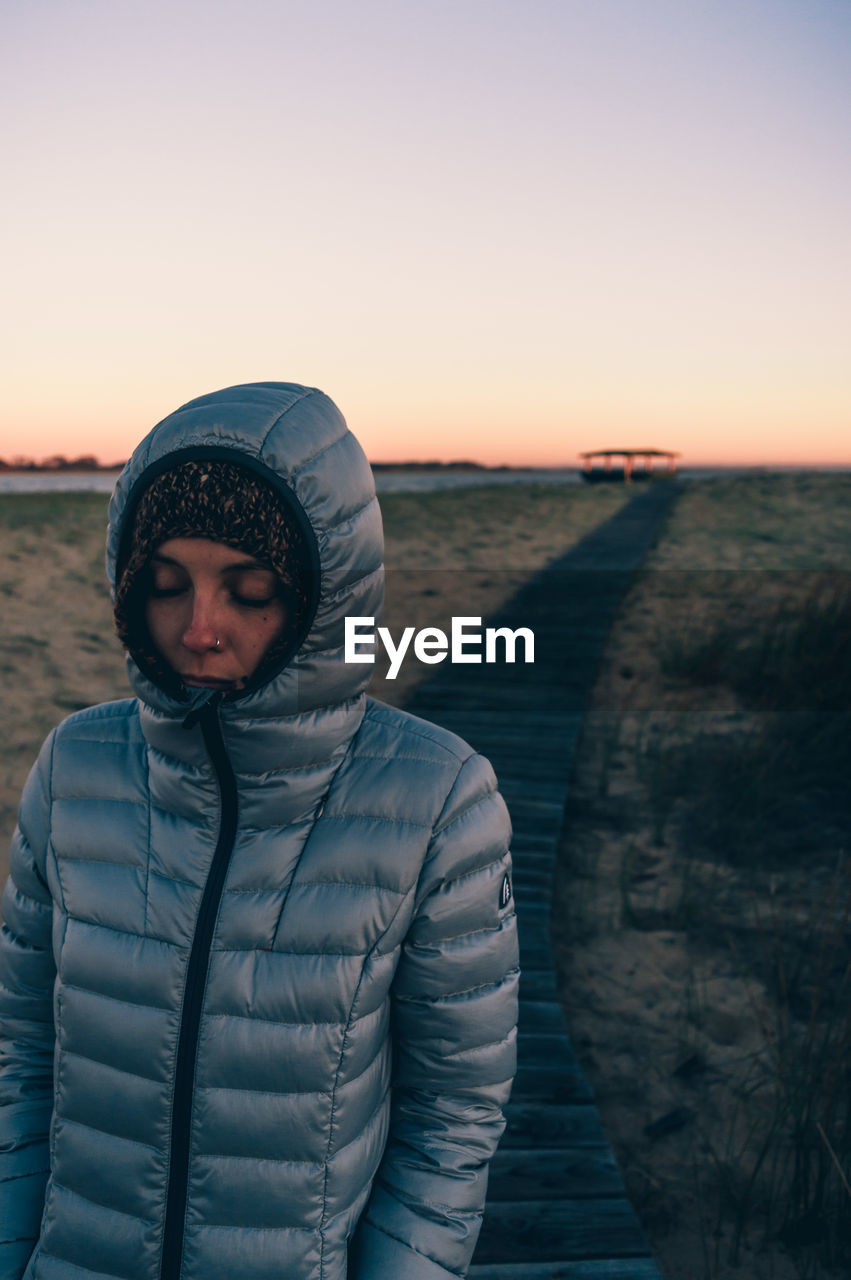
{"x": 207, "y": 716}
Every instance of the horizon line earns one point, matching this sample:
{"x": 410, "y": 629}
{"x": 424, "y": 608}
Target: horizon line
{"x": 52, "y": 463}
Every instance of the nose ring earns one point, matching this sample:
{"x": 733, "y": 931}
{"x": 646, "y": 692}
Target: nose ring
{"x": 218, "y": 643}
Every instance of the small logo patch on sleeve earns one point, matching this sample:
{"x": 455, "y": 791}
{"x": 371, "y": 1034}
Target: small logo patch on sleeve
{"x": 505, "y": 891}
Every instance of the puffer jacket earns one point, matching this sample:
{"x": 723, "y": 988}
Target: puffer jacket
{"x": 258, "y": 969}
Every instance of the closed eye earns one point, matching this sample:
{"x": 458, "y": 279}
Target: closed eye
{"x": 250, "y": 602}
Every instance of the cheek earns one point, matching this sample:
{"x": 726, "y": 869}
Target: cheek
{"x": 269, "y": 627}
{"x": 160, "y": 622}
{"x": 151, "y": 619}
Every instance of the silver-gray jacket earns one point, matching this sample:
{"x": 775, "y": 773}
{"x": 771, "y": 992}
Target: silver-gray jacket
{"x": 258, "y": 970}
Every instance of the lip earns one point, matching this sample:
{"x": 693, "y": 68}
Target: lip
{"x": 207, "y": 682}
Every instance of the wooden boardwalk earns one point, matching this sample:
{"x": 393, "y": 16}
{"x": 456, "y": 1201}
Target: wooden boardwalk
{"x": 556, "y": 1201}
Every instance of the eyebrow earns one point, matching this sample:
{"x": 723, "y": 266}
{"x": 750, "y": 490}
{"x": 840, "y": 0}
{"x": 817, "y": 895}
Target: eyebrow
{"x": 229, "y": 568}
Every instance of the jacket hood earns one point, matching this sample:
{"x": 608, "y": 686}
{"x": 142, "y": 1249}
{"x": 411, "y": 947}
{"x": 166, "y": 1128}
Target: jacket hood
{"x": 296, "y": 439}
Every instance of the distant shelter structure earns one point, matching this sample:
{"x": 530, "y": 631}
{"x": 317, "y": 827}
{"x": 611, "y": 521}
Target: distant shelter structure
{"x": 628, "y": 471}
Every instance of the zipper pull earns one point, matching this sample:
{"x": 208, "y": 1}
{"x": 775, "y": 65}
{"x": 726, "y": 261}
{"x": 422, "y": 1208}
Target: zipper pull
{"x": 203, "y": 709}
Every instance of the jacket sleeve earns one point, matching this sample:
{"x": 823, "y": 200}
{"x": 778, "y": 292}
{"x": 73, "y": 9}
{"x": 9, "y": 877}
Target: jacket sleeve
{"x": 27, "y": 975}
{"x": 455, "y": 1017}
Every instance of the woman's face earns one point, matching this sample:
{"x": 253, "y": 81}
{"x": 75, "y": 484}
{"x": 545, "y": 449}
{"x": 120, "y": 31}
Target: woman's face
{"x": 212, "y": 611}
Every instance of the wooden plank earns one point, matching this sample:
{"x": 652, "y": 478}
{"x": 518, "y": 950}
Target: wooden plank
{"x": 528, "y": 895}
{"x": 543, "y": 826}
{"x": 535, "y": 783}
{"x": 535, "y": 946}
{"x": 530, "y": 868}
{"x": 554, "y": 1034}
{"x": 527, "y": 874}
{"x": 539, "y": 788}
{"x": 546, "y": 759}
{"x": 533, "y": 866}
{"x": 540, "y": 842}
{"x": 534, "y": 730}
{"x": 553, "y": 1175}
{"x": 504, "y": 698}
{"x": 550, "y": 771}
{"x": 529, "y": 807}
{"x": 537, "y": 984}
{"x": 553, "y": 1083}
{"x": 535, "y": 953}
{"x": 527, "y": 880}
{"x": 534, "y": 932}
{"x": 535, "y": 926}
{"x": 541, "y": 1230}
{"x": 536, "y": 914}
{"x": 540, "y": 1015}
{"x": 531, "y": 894}
{"x": 546, "y": 1126}
{"x": 535, "y": 851}
{"x": 545, "y": 1046}
{"x": 565, "y": 1269}
{"x": 531, "y": 885}
{"x": 535, "y": 854}
{"x": 533, "y": 862}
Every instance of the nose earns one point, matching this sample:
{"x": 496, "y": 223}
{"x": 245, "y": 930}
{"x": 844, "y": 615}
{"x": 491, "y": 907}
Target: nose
{"x": 201, "y": 634}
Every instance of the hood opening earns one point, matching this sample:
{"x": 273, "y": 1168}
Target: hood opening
{"x": 129, "y": 597}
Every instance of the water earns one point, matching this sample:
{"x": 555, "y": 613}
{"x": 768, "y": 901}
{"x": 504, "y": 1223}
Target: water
{"x": 385, "y": 481}
{"x": 57, "y": 481}
{"x": 428, "y": 481}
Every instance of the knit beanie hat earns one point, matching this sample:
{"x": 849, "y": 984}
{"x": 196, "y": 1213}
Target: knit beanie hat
{"x": 227, "y": 503}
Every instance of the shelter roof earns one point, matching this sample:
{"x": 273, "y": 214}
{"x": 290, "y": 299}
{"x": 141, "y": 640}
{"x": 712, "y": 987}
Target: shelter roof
{"x": 642, "y": 453}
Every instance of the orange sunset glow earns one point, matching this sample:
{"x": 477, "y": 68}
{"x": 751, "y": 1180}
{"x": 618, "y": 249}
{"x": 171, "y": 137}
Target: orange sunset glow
{"x": 490, "y": 230}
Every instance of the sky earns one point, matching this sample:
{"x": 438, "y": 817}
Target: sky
{"x": 504, "y": 230}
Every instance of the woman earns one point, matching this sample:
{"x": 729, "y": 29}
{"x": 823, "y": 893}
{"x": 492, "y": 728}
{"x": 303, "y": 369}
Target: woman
{"x": 258, "y": 969}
